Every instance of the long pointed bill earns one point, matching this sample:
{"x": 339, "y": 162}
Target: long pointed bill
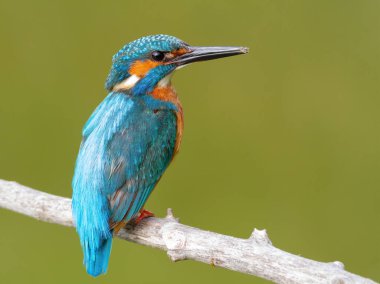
{"x": 202, "y": 53}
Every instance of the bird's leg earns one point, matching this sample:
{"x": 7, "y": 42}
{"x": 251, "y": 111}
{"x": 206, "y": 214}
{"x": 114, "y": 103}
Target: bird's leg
{"x": 143, "y": 214}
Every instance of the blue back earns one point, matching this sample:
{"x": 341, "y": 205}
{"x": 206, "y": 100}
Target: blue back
{"x": 127, "y": 144}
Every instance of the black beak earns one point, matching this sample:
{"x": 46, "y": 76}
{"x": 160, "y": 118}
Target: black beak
{"x": 203, "y": 53}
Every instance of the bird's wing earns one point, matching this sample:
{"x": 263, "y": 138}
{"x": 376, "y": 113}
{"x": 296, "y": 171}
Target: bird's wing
{"x": 124, "y": 152}
{"x": 139, "y": 155}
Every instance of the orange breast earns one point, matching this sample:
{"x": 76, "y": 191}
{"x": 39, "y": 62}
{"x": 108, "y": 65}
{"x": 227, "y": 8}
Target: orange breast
{"x": 168, "y": 94}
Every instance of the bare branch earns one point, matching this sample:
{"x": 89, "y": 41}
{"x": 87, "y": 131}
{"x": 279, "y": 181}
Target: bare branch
{"x": 255, "y": 255}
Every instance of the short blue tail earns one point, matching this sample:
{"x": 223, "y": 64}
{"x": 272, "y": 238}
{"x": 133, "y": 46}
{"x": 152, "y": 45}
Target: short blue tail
{"x": 96, "y": 255}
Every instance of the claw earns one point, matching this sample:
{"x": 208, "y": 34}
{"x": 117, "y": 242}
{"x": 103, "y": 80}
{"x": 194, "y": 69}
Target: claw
{"x": 143, "y": 214}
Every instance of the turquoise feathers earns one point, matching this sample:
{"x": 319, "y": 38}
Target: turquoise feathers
{"x": 124, "y": 152}
{"x": 129, "y": 140}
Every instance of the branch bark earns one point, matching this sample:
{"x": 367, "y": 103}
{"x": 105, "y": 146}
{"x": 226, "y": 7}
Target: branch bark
{"x": 255, "y": 255}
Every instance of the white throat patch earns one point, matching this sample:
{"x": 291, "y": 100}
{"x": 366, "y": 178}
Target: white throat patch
{"x": 166, "y": 81}
{"x": 127, "y": 84}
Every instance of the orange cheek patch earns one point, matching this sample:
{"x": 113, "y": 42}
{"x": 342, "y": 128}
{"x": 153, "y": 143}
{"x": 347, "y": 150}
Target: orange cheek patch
{"x": 141, "y": 68}
{"x": 176, "y": 53}
{"x": 180, "y": 51}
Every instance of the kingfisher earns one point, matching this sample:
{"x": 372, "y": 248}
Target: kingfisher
{"x": 130, "y": 139}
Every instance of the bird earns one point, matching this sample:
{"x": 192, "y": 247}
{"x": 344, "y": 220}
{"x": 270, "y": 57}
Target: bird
{"x": 130, "y": 139}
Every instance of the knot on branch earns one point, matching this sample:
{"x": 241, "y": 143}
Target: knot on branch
{"x": 175, "y": 242}
{"x": 338, "y": 264}
{"x": 260, "y": 237}
{"x": 174, "y": 239}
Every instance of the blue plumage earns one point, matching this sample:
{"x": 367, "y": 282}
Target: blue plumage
{"x": 124, "y": 152}
{"x": 129, "y": 140}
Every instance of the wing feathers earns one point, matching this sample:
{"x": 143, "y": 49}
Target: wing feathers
{"x": 134, "y": 145}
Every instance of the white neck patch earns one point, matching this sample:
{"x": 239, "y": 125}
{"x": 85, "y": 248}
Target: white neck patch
{"x": 166, "y": 81}
{"x": 127, "y": 84}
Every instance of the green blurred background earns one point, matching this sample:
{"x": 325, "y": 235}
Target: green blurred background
{"x": 285, "y": 138}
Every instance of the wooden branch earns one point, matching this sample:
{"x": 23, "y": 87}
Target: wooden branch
{"x": 255, "y": 255}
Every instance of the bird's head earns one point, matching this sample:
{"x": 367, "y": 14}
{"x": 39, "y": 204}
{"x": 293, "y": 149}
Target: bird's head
{"x": 140, "y": 65}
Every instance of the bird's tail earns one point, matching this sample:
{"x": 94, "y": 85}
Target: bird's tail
{"x": 97, "y": 252}
{"x": 91, "y": 217}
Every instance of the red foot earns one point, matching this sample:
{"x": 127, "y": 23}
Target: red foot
{"x": 143, "y": 214}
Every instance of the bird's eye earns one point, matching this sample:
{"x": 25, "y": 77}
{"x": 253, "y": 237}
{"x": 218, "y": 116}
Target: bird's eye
{"x": 158, "y": 55}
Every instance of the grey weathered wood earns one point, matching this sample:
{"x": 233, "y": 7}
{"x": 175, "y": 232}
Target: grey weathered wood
{"x": 255, "y": 255}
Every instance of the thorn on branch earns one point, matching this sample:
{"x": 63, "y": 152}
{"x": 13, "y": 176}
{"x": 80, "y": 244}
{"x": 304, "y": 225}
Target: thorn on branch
{"x": 260, "y": 237}
{"x": 170, "y": 216}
